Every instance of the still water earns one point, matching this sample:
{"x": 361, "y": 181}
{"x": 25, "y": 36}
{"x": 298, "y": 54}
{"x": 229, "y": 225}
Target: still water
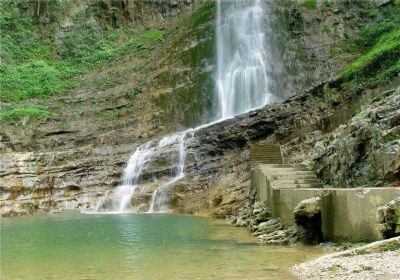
{"x": 72, "y": 245}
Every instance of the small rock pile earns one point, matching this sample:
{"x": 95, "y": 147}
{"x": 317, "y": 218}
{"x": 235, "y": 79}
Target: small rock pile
{"x": 257, "y": 218}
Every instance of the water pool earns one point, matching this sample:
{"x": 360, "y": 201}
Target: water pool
{"x": 72, "y": 245}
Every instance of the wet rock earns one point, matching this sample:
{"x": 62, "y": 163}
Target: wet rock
{"x": 232, "y": 220}
{"x": 241, "y": 222}
{"x": 282, "y": 236}
{"x": 268, "y": 227}
{"x": 261, "y": 212}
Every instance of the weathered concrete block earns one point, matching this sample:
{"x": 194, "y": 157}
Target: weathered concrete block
{"x": 346, "y": 214}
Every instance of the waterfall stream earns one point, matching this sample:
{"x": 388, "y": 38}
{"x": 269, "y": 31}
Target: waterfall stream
{"x": 160, "y": 197}
{"x": 243, "y": 83}
{"x": 243, "y": 74}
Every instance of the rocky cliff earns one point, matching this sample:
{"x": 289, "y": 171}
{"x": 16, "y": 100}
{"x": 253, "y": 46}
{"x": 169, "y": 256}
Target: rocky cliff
{"x": 365, "y": 151}
{"x": 154, "y": 75}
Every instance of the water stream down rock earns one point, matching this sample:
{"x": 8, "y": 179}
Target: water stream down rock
{"x": 243, "y": 83}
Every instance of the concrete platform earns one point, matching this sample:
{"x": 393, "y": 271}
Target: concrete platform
{"x": 347, "y": 214}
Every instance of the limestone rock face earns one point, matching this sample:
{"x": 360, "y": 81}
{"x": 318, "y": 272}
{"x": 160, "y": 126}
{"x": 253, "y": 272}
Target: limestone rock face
{"x": 58, "y": 180}
{"x": 388, "y": 218}
{"x": 366, "y": 151}
{"x": 217, "y": 168}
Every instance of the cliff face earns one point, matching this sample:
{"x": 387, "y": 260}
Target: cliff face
{"x": 366, "y": 151}
{"x": 146, "y": 69}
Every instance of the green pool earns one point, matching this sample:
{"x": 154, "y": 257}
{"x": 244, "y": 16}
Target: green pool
{"x": 72, "y": 245}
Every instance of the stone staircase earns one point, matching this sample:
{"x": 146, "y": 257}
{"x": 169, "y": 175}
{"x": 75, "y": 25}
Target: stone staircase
{"x": 272, "y": 179}
{"x": 290, "y": 176}
{"x": 265, "y": 154}
{"x": 270, "y": 173}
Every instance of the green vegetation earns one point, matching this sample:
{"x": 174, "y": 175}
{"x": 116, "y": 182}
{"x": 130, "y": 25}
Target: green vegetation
{"x": 33, "y": 79}
{"x": 310, "y": 4}
{"x": 8, "y": 113}
{"x": 35, "y": 65}
{"x": 371, "y": 34}
{"x": 363, "y": 115}
{"x": 378, "y": 66}
{"x": 378, "y": 45}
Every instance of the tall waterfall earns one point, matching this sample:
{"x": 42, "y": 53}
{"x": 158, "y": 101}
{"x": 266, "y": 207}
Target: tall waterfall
{"x": 243, "y": 83}
{"x": 243, "y": 73}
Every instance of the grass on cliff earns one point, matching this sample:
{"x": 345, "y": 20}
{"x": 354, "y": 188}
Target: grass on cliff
{"x": 378, "y": 45}
{"x": 40, "y": 77}
{"x": 377, "y": 66}
{"x": 8, "y": 113}
{"x": 310, "y": 4}
{"x": 33, "y": 66}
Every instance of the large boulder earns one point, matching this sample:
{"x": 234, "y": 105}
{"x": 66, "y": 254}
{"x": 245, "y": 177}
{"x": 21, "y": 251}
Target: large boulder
{"x": 388, "y": 218}
{"x": 307, "y": 215}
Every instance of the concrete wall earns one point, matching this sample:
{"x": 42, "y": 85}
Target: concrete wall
{"x": 347, "y": 214}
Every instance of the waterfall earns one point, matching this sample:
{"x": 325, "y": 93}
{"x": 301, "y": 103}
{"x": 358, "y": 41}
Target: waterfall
{"x": 160, "y": 197}
{"x": 243, "y": 82}
{"x": 121, "y": 196}
{"x": 243, "y": 76}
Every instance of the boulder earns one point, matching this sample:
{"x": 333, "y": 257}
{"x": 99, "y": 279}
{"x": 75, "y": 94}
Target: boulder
{"x": 307, "y": 215}
{"x": 388, "y": 218}
{"x": 308, "y": 208}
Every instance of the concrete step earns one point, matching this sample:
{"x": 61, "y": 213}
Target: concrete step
{"x": 301, "y": 167}
{"x": 283, "y": 170}
{"x": 296, "y": 181}
{"x": 288, "y": 172}
{"x": 290, "y": 177}
{"x": 295, "y": 186}
{"x": 265, "y": 153}
{"x": 275, "y": 161}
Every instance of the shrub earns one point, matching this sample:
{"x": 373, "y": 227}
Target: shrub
{"x": 310, "y": 4}
{"x": 8, "y": 113}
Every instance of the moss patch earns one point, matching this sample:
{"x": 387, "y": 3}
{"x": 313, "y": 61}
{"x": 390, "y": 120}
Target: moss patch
{"x": 8, "y": 113}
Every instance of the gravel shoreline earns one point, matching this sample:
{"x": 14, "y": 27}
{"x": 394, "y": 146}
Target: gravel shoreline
{"x": 374, "y": 261}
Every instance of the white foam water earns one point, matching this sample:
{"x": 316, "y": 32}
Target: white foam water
{"x": 243, "y": 83}
{"x": 243, "y": 79}
{"x": 121, "y": 196}
{"x": 161, "y": 196}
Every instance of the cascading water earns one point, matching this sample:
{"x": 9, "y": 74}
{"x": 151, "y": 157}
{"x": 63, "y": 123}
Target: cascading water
{"x": 243, "y": 83}
{"x": 243, "y": 79}
{"x": 121, "y": 196}
{"x": 160, "y": 197}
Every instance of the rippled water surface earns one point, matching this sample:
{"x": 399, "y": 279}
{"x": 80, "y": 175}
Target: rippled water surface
{"x": 138, "y": 246}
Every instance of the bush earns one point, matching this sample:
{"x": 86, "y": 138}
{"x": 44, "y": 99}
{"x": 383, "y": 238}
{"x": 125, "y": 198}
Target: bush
{"x": 30, "y": 111}
{"x": 310, "y": 4}
{"x": 28, "y": 80}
